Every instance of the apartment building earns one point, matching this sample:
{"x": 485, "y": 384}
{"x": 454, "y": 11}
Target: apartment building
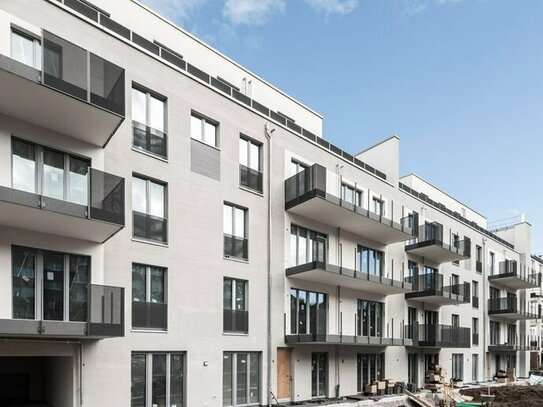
{"x": 175, "y": 231}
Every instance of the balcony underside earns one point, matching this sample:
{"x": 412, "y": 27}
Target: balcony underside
{"x": 511, "y": 315}
{"x": 18, "y": 209}
{"x": 25, "y": 98}
{"x": 19, "y": 328}
{"x": 436, "y": 297}
{"x": 348, "y": 340}
{"x": 512, "y": 280}
{"x": 325, "y": 208}
{"x": 435, "y": 251}
{"x": 318, "y": 272}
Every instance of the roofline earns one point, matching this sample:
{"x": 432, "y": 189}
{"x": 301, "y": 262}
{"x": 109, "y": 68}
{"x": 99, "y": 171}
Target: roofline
{"x": 378, "y": 143}
{"x": 440, "y": 190}
{"x": 536, "y": 258}
{"x": 177, "y": 27}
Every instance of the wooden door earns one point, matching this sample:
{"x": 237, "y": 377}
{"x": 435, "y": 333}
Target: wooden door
{"x": 283, "y": 373}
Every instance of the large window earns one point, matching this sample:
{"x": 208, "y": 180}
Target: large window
{"x": 235, "y": 229}
{"x": 475, "y": 294}
{"x": 474, "y": 367}
{"x": 26, "y": 49}
{"x": 236, "y": 315}
{"x": 370, "y": 367}
{"x": 475, "y": 331}
{"x": 158, "y": 379}
{"x": 378, "y": 206}
{"x": 491, "y": 263}
{"x": 149, "y": 304}
{"x": 319, "y": 374}
{"x": 351, "y": 194}
{"x": 49, "y": 285}
{"x": 48, "y": 172}
{"x": 149, "y": 122}
{"x": 149, "y": 209}
{"x": 306, "y": 246}
{"x": 307, "y": 312}
{"x": 457, "y": 366}
{"x": 241, "y": 379}
{"x": 250, "y": 164}
{"x": 204, "y": 130}
{"x": 494, "y": 333}
{"x": 369, "y": 261}
{"x": 370, "y": 318}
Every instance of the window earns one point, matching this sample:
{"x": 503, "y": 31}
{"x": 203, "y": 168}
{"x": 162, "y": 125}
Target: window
{"x": 458, "y": 366}
{"x": 149, "y": 304}
{"x": 370, "y": 318}
{"x": 236, "y": 315}
{"x": 430, "y": 280}
{"x": 478, "y": 259}
{"x": 26, "y": 49}
{"x": 241, "y": 379}
{"x": 378, "y": 206}
{"x": 149, "y": 209}
{"x": 307, "y": 312}
{"x": 370, "y": 367}
{"x": 351, "y": 195}
{"x": 47, "y": 172}
{"x": 475, "y": 331}
{"x": 250, "y": 164}
{"x": 412, "y": 368}
{"x": 491, "y": 262}
{"x": 455, "y": 320}
{"x": 306, "y": 246}
{"x": 204, "y": 130}
{"x": 475, "y": 295}
{"x": 369, "y": 261}
{"x": 236, "y": 244}
{"x": 412, "y": 271}
{"x": 49, "y": 285}
{"x": 319, "y": 374}
{"x": 296, "y": 167}
{"x": 153, "y": 374}
{"x": 494, "y": 333}
{"x": 511, "y": 334}
{"x": 149, "y": 122}
{"x": 474, "y": 367}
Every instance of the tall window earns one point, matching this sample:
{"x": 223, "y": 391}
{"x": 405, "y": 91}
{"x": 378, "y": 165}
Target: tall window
{"x": 370, "y": 318}
{"x": 236, "y": 315}
{"x": 319, "y": 374}
{"x": 455, "y": 320}
{"x": 235, "y": 230}
{"x": 378, "y": 206}
{"x": 250, "y": 164}
{"x": 370, "y": 367}
{"x": 204, "y": 130}
{"x": 307, "y": 312}
{"x": 475, "y": 331}
{"x": 149, "y": 209}
{"x": 475, "y": 294}
{"x": 58, "y": 281}
{"x": 351, "y": 195}
{"x": 48, "y": 172}
{"x": 296, "y": 167}
{"x": 474, "y": 367}
{"x": 306, "y": 246}
{"x": 458, "y": 366}
{"x": 411, "y": 272}
{"x": 149, "y": 122}
{"x": 241, "y": 379}
{"x": 369, "y": 261}
{"x": 26, "y": 49}
{"x": 149, "y": 304}
{"x": 158, "y": 379}
{"x": 491, "y": 263}
{"x": 412, "y": 368}
{"x": 494, "y": 333}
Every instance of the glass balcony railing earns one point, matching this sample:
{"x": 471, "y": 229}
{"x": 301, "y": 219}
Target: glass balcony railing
{"x": 250, "y": 178}
{"x": 236, "y": 247}
{"x": 235, "y": 321}
{"x": 148, "y": 139}
{"x": 150, "y": 227}
{"x": 512, "y": 305}
{"x": 438, "y": 335}
{"x": 149, "y": 315}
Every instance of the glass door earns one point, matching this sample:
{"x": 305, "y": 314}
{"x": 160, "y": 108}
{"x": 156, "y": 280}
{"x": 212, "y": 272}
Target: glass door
{"x": 53, "y": 286}
{"x": 319, "y": 374}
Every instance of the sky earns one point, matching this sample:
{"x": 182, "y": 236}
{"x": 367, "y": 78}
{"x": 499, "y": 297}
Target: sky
{"x": 459, "y": 81}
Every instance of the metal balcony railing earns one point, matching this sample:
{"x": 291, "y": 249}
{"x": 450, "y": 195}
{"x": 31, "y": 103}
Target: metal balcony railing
{"x": 250, "y": 178}
{"x": 512, "y": 305}
{"x": 149, "y": 315}
{"x": 106, "y": 311}
{"x": 236, "y": 247}
{"x": 235, "y": 321}
{"x": 150, "y": 227}
{"x": 151, "y": 140}
{"x": 438, "y": 335}
{"x": 510, "y": 268}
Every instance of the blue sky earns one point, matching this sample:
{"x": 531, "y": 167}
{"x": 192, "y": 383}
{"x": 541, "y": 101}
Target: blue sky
{"x": 459, "y": 81}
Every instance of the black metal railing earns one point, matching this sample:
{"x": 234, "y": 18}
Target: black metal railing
{"x": 432, "y": 283}
{"x": 438, "y": 335}
{"x": 106, "y": 310}
{"x": 150, "y": 227}
{"x": 235, "y": 321}
{"x": 75, "y": 71}
{"x": 149, "y": 315}
{"x": 511, "y": 305}
{"x": 510, "y": 268}
{"x": 250, "y": 178}
{"x": 516, "y": 343}
{"x": 151, "y": 140}
{"x": 236, "y": 247}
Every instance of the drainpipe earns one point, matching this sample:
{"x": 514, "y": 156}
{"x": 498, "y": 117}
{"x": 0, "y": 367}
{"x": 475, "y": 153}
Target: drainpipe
{"x": 485, "y": 311}
{"x": 268, "y": 132}
{"x": 81, "y": 374}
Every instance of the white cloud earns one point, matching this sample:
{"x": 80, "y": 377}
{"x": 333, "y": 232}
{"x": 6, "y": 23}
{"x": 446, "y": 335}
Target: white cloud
{"x": 413, "y": 7}
{"x": 333, "y": 6}
{"x": 174, "y": 9}
{"x": 251, "y": 12}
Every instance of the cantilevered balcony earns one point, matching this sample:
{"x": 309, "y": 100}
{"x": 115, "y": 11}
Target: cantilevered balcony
{"x": 511, "y": 275}
{"x": 429, "y": 288}
{"x": 323, "y": 273}
{"x": 76, "y": 93}
{"x": 431, "y": 245}
{"x": 99, "y": 314}
{"x": 511, "y": 308}
{"x": 438, "y": 336}
{"x": 313, "y": 194}
{"x": 516, "y": 343}
{"x": 96, "y": 221}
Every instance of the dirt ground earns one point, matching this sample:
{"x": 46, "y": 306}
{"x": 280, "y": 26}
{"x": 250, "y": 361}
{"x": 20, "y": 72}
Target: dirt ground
{"x": 510, "y": 396}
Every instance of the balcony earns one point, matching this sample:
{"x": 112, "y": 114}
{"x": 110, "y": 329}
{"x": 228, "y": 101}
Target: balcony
{"x": 96, "y": 222}
{"x": 431, "y": 246}
{"x": 103, "y": 317}
{"x": 429, "y": 288}
{"x": 515, "y": 344}
{"x": 313, "y": 192}
{"x": 76, "y": 93}
{"x": 510, "y": 275}
{"x": 439, "y": 336}
{"x": 149, "y": 315}
{"x": 250, "y": 178}
{"x": 320, "y": 272}
{"x": 508, "y": 308}
{"x": 235, "y": 321}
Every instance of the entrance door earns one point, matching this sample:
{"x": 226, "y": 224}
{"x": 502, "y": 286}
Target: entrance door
{"x": 319, "y": 374}
{"x": 283, "y": 374}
